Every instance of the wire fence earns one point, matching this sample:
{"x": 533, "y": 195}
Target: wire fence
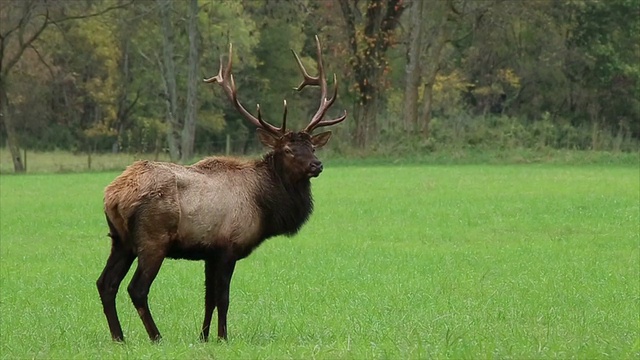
{"x": 60, "y": 161}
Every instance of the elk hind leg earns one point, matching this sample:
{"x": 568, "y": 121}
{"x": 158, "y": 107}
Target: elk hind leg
{"x": 148, "y": 267}
{"x": 209, "y": 296}
{"x": 223, "y": 282}
{"x": 117, "y": 266}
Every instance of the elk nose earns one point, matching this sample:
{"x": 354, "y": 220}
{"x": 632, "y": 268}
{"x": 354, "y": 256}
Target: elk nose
{"x": 316, "y": 167}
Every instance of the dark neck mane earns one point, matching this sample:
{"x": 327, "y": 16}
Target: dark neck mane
{"x": 285, "y": 205}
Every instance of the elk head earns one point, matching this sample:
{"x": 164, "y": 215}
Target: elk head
{"x": 294, "y": 149}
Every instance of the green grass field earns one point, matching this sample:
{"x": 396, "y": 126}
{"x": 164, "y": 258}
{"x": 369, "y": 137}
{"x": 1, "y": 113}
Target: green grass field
{"x": 475, "y": 261}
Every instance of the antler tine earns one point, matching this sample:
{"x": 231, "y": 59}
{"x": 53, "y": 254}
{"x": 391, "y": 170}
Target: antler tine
{"x": 225, "y": 79}
{"x": 222, "y": 73}
{"x": 284, "y": 118}
{"x": 217, "y": 78}
{"x": 320, "y": 80}
{"x": 307, "y": 79}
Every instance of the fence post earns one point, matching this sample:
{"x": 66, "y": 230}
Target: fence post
{"x": 227, "y": 148}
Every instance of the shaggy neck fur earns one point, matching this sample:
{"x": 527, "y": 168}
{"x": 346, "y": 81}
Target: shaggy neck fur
{"x": 287, "y": 204}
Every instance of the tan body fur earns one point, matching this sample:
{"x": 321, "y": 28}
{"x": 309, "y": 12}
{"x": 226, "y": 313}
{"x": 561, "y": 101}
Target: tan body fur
{"x": 204, "y": 205}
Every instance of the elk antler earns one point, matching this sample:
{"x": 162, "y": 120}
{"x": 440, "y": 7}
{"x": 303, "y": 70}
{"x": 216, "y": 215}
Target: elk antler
{"x": 225, "y": 79}
{"x": 320, "y": 80}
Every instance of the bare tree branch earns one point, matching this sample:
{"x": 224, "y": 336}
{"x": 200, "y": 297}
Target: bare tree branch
{"x": 24, "y": 45}
{"x": 5, "y": 67}
{"x": 101, "y": 12}
{"x": 42, "y": 60}
{"x": 21, "y": 23}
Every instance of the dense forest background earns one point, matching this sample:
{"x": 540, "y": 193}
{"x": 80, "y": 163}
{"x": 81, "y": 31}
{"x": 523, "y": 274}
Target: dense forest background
{"x": 414, "y": 76}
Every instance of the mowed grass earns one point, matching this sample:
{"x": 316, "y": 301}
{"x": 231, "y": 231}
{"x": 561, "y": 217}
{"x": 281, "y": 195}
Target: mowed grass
{"x": 519, "y": 261}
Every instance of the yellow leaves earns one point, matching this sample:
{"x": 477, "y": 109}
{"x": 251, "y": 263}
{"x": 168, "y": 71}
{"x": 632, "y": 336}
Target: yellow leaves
{"x": 447, "y": 90}
{"x": 453, "y": 81}
{"x": 485, "y": 90}
{"x": 99, "y": 129}
{"x": 509, "y": 77}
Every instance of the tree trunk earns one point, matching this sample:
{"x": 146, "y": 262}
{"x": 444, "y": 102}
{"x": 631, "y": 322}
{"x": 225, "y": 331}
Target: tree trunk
{"x": 427, "y": 101}
{"x": 443, "y": 35}
{"x": 169, "y": 75}
{"x": 368, "y": 44}
{"x": 361, "y": 119}
{"x": 12, "y": 135}
{"x": 13, "y": 144}
{"x": 413, "y": 69}
{"x": 189, "y": 129}
{"x": 123, "y": 108}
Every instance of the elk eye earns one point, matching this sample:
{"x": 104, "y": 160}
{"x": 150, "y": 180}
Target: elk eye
{"x": 288, "y": 151}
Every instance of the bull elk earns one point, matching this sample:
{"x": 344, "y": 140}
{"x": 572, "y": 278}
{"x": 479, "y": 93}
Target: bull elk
{"x": 217, "y": 210}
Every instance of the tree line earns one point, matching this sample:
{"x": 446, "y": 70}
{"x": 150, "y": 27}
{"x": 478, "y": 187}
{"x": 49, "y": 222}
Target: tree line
{"x": 126, "y": 75}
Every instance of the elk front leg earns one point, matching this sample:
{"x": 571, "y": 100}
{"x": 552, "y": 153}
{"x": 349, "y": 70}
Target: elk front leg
{"x": 148, "y": 267}
{"x": 223, "y": 280}
{"x": 209, "y": 296}
{"x": 117, "y": 266}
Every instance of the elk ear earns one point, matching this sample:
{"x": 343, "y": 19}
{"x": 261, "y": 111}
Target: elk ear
{"x": 321, "y": 139}
{"x": 267, "y": 138}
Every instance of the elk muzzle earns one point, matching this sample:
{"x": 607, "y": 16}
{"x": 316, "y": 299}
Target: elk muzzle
{"x": 315, "y": 168}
